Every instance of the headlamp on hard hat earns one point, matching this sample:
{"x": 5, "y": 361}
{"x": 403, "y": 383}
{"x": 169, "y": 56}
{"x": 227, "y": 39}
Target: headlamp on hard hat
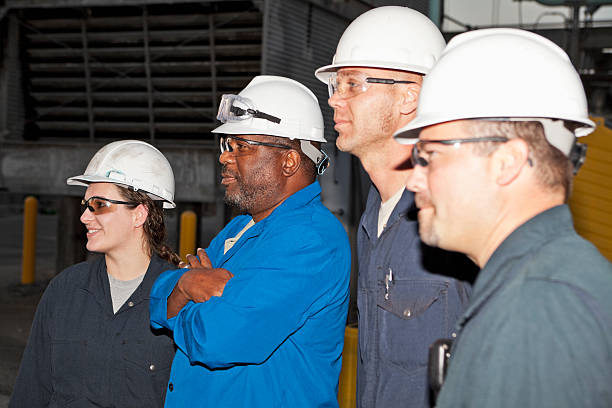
{"x": 235, "y": 108}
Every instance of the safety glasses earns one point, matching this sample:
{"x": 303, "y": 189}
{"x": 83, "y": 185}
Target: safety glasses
{"x": 421, "y": 157}
{"x": 238, "y": 145}
{"x": 347, "y": 84}
{"x": 235, "y": 108}
{"x": 101, "y": 205}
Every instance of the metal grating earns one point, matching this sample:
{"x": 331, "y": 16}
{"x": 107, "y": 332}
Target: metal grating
{"x": 150, "y": 72}
{"x": 301, "y": 37}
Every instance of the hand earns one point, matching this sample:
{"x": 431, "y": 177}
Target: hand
{"x": 198, "y": 284}
{"x": 194, "y": 262}
{"x": 201, "y": 284}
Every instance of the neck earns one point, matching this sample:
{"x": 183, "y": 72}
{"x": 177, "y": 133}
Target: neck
{"x": 127, "y": 264}
{"x": 513, "y": 214}
{"x": 292, "y": 186}
{"x": 260, "y": 215}
{"x": 388, "y": 167}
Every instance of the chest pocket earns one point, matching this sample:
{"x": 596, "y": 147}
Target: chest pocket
{"x": 147, "y": 356}
{"x": 412, "y": 315}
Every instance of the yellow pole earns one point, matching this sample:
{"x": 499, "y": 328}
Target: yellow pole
{"x": 188, "y": 234}
{"x": 28, "y": 258}
{"x": 348, "y": 375}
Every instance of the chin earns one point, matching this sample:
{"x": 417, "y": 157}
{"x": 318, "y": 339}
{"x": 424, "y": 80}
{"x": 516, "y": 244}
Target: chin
{"x": 343, "y": 144}
{"x": 429, "y": 237}
{"x": 92, "y": 247}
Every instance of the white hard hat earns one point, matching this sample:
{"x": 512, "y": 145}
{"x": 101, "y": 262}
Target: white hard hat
{"x": 294, "y": 110}
{"x": 134, "y": 164}
{"x": 390, "y": 37}
{"x": 276, "y": 106}
{"x": 503, "y": 74}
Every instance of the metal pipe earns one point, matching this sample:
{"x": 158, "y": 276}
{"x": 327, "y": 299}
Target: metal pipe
{"x": 574, "y": 51}
{"x": 187, "y": 237}
{"x": 28, "y": 258}
{"x": 435, "y": 7}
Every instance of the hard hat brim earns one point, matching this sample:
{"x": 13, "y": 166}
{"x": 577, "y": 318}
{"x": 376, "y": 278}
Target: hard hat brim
{"x": 85, "y": 180}
{"x": 237, "y": 128}
{"x": 409, "y": 134}
{"x": 325, "y": 72}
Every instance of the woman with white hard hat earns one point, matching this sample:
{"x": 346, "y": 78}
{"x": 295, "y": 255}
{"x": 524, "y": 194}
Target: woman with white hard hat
{"x": 91, "y": 343}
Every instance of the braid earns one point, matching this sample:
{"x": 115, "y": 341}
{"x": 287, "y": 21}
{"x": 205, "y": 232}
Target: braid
{"x": 154, "y": 226}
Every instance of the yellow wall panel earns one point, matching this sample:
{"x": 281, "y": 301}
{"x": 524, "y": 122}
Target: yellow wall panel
{"x": 591, "y": 200}
{"x": 593, "y": 208}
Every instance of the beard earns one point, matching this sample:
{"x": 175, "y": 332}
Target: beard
{"x": 367, "y": 134}
{"x": 427, "y": 230}
{"x": 249, "y": 194}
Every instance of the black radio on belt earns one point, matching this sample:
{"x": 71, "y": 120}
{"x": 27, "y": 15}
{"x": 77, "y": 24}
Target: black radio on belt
{"x": 439, "y": 353}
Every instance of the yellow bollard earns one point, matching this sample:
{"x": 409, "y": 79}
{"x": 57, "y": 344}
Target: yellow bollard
{"x": 347, "y": 387}
{"x": 187, "y": 238}
{"x": 28, "y": 257}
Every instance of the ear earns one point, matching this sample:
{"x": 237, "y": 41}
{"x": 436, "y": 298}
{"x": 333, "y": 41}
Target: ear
{"x": 140, "y": 214}
{"x": 291, "y": 163}
{"x": 509, "y": 160}
{"x": 409, "y": 98}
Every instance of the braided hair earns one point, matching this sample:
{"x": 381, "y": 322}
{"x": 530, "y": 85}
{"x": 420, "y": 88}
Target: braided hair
{"x": 154, "y": 226}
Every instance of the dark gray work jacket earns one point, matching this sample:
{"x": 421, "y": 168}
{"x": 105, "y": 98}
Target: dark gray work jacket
{"x": 538, "y": 329}
{"x": 81, "y": 354}
{"x": 400, "y": 317}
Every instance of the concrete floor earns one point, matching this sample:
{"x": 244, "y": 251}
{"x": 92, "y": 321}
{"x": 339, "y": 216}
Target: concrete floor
{"x": 18, "y": 303}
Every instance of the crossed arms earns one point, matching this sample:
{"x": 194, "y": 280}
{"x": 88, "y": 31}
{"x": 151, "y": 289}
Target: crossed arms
{"x": 198, "y": 284}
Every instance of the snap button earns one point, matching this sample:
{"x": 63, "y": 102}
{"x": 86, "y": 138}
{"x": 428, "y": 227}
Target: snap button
{"x": 407, "y": 313}
{"x": 152, "y": 367}
{"x": 130, "y": 303}
{"x": 454, "y": 335}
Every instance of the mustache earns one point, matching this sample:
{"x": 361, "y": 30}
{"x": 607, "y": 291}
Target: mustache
{"x": 226, "y": 173}
{"x": 422, "y": 200}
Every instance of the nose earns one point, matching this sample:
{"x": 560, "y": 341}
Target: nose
{"x": 225, "y": 157}
{"x": 417, "y": 181}
{"x": 86, "y": 216}
{"x": 335, "y": 100}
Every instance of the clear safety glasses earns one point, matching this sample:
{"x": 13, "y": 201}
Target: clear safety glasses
{"x": 347, "y": 84}
{"x": 237, "y": 145}
{"x": 421, "y": 157}
{"x": 101, "y": 205}
{"x": 235, "y": 108}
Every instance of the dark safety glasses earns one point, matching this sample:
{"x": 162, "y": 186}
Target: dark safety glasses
{"x": 101, "y": 205}
{"x": 235, "y": 144}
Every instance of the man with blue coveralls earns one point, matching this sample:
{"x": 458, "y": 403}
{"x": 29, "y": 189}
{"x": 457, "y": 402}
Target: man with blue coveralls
{"x": 408, "y": 294}
{"x": 259, "y": 322}
{"x": 498, "y": 118}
